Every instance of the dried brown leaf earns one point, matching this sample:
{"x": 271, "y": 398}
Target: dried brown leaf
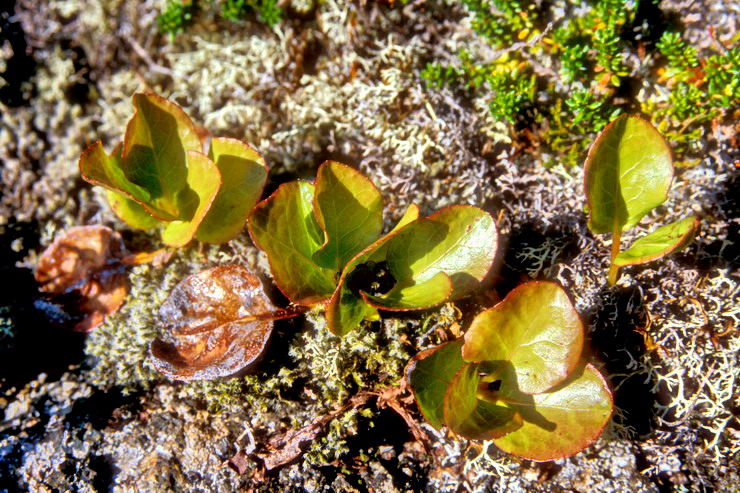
{"x": 157, "y": 258}
{"x": 219, "y": 322}
{"x": 84, "y": 264}
{"x": 240, "y": 462}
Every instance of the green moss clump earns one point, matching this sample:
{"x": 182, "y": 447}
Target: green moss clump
{"x": 598, "y": 49}
{"x": 261, "y": 393}
{"x": 331, "y": 445}
{"x": 267, "y": 11}
{"x": 177, "y": 16}
{"x": 367, "y": 357}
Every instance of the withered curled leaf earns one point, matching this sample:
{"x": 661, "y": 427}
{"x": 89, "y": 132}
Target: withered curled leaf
{"x": 84, "y": 265}
{"x": 219, "y": 322}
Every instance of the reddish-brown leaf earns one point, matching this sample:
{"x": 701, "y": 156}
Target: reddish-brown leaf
{"x": 84, "y": 263}
{"x": 219, "y": 322}
{"x": 157, "y": 258}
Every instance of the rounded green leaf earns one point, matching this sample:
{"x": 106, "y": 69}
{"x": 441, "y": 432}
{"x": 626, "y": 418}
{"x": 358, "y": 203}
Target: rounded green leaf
{"x": 423, "y": 295}
{"x": 243, "y": 174}
{"x": 346, "y": 310}
{"x": 349, "y": 209}
{"x": 664, "y": 240}
{"x": 130, "y": 211}
{"x": 458, "y": 240}
{"x": 562, "y": 422}
{"x": 536, "y": 329}
{"x": 154, "y": 153}
{"x": 471, "y": 417}
{"x": 99, "y": 168}
{"x": 429, "y": 373}
{"x": 378, "y": 250}
{"x": 284, "y": 227}
{"x": 410, "y": 215}
{"x": 203, "y": 183}
{"x": 628, "y": 173}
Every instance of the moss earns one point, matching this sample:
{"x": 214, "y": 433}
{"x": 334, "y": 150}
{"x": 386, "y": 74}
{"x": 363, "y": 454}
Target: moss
{"x": 367, "y": 357}
{"x": 331, "y": 446}
{"x": 176, "y": 16}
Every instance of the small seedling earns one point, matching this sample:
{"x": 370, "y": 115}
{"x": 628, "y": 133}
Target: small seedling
{"x": 517, "y": 378}
{"x": 628, "y": 173}
{"x": 324, "y": 245}
{"x": 219, "y": 322}
{"x": 165, "y": 174}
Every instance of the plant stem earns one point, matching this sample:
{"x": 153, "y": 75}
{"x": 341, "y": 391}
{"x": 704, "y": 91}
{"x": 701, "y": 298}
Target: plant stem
{"x": 616, "y": 240}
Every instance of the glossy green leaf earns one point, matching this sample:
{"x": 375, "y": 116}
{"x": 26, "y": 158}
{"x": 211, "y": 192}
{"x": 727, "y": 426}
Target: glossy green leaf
{"x": 284, "y": 227}
{"x": 378, "y": 250}
{"x": 243, "y": 174}
{"x": 661, "y": 242}
{"x": 459, "y": 241}
{"x": 423, "y": 295}
{"x": 536, "y": 329}
{"x": 99, "y": 168}
{"x": 559, "y": 423}
{"x": 203, "y": 183}
{"x": 628, "y": 173}
{"x": 471, "y": 417}
{"x": 130, "y": 211}
{"x": 429, "y": 373}
{"x": 349, "y": 209}
{"x": 346, "y": 309}
{"x": 411, "y": 215}
{"x": 154, "y": 154}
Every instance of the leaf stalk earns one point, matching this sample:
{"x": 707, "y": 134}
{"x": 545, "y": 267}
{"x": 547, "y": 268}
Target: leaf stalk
{"x": 616, "y": 243}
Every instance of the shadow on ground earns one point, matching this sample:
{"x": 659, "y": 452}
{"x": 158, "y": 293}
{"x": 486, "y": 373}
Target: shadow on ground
{"x": 617, "y": 342}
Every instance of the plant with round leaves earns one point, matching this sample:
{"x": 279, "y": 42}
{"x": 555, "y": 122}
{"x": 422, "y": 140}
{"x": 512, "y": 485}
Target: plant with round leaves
{"x": 324, "y": 244}
{"x": 517, "y": 378}
{"x": 167, "y": 173}
{"x": 628, "y": 173}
